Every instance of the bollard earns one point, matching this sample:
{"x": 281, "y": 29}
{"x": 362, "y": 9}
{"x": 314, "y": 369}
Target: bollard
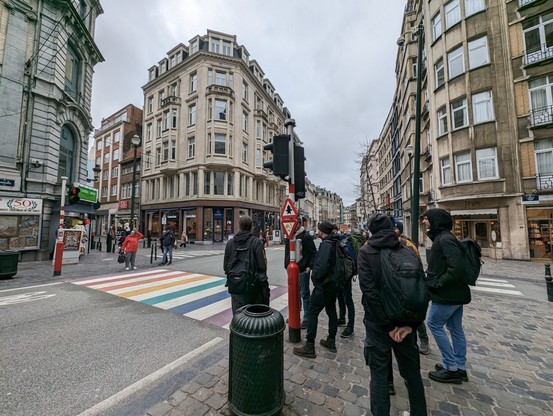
{"x": 256, "y": 361}
{"x": 549, "y": 283}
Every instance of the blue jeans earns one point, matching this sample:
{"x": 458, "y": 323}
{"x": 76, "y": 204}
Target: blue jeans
{"x": 167, "y": 254}
{"x": 304, "y": 293}
{"x": 454, "y": 354}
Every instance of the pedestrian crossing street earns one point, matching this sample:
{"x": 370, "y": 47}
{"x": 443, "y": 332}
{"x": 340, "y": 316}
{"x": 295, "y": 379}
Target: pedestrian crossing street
{"x": 497, "y": 286}
{"x": 198, "y": 296}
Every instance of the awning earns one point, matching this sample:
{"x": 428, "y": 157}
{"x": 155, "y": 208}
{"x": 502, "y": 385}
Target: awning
{"x": 484, "y": 211}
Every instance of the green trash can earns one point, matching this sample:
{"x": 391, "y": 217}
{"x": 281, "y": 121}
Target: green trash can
{"x": 256, "y": 361}
{"x": 8, "y": 263}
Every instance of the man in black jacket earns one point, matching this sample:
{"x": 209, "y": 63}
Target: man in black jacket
{"x": 448, "y": 293}
{"x": 259, "y": 294}
{"x": 323, "y": 295}
{"x": 384, "y": 335}
{"x": 305, "y": 264}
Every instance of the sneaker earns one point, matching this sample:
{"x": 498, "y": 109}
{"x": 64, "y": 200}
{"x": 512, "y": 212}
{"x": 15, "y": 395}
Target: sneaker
{"x": 308, "y": 350}
{"x": 329, "y": 344}
{"x": 424, "y": 348}
{"x": 347, "y": 333}
{"x": 341, "y": 322}
{"x": 169, "y": 263}
{"x": 462, "y": 373}
{"x": 391, "y": 389}
{"x": 126, "y": 268}
{"x": 445, "y": 376}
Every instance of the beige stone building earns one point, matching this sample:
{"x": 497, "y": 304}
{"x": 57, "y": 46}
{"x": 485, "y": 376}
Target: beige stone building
{"x": 209, "y": 110}
{"x": 486, "y": 105}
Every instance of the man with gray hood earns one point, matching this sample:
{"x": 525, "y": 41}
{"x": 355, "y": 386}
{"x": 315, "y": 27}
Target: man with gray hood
{"x": 445, "y": 278}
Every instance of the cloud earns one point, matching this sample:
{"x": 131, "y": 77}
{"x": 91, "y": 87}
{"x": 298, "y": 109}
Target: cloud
{"x": 331, "y": 62}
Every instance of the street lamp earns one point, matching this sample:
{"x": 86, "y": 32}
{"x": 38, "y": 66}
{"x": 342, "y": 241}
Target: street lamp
{"x": 97, "y": 170}
{"x": 135, "y": 142}
{"x": 417, "y": 31}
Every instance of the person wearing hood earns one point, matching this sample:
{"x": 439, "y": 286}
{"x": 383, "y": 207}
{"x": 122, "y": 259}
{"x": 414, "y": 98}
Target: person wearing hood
{"x": 323, "y": 295}
{"x": 244, "y": 238}
{"x": 382, "y": 334}
{"x": 448, "y": 293}
{"x": 305, "y": 264}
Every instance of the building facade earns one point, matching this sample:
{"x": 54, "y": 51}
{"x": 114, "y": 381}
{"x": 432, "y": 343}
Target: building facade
{"x": 209, "y": 111}
{"x": 114, "y": 155}
{"x": 45, "y": 92}
{"x": 485, "y": 123}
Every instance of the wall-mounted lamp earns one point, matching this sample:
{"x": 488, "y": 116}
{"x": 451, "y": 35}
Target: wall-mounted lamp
{"x": 97, "y": 170}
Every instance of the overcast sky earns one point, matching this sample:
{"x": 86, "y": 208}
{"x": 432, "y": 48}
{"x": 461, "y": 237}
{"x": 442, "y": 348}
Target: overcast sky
{"x": 331, "y": 61}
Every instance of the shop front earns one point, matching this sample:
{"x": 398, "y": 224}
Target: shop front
{"x": 540, "y": 232}
{"x": 483, "y": 226}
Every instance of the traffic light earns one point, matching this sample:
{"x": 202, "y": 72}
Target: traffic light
{"x": 299, "y": 171}
{"x": 73, "y": 195}
{"x": 279, "y": 148}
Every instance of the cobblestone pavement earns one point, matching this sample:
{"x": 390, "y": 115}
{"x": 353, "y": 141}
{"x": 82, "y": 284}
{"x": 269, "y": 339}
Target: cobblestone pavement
{"x": 510, "y": 366}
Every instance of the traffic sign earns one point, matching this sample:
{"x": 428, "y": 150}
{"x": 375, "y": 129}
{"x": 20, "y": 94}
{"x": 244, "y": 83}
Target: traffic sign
{"x": 289, "y": 227}
{"x": 289, "y": 210}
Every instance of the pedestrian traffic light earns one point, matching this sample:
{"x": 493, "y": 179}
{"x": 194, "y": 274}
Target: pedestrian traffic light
{"x": 299, "y": 172}
{"x": 73, "y": 195}
{"x": 279, "y": 148}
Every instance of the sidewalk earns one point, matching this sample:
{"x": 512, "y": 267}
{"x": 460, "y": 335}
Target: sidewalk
{"x": 510, "y": 365}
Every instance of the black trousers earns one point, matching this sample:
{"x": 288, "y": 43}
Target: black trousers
{"x": 345, "y": 301}
{"x": 378, "y": 345}
{"x": 260, "y": 295}
{"x": 322, "y": 297}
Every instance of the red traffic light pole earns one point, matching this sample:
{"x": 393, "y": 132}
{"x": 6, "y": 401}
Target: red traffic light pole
{"x": 58, "y": 252}
{"x": 294, "y": 330}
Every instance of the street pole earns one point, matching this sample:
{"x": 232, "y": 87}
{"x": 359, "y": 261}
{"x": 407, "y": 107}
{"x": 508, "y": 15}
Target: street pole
{"x": 417, "y": 150}
{"x": 135, "y": 142}
{"x": 294, "y": 330}
{"x": 58, "y": 251}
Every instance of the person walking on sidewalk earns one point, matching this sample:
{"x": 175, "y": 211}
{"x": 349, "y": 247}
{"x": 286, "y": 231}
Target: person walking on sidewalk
{"x": 424, "y": 347}
{"x": 305, "y": 264}
{"x": 344, "y": 293}
{"x": 167, "y": 243}
{"x": 323, "y": 295}
{"x": 252, "y": 248}
{"x": 130, "y": 247}
{"x": 382, "y": 334}
{"x": 448, "y": 293}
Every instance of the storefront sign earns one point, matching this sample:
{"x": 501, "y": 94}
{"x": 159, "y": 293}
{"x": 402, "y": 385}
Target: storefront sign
{"x": 27, "y": 205}
{"x": 123, "y": 204}
{"x": 530, "y": 199}
{"x": 10, "y": 183}
{"x": 88, "y": 194}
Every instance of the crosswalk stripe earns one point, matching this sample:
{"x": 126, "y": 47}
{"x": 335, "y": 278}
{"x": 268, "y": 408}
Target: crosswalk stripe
{"x": 198, "y": 296}
{"x": 497, "y": 284}
{"x": 499, "y": 291}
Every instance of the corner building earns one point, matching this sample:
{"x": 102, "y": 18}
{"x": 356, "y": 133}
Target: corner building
{"x": 208, "y": 112}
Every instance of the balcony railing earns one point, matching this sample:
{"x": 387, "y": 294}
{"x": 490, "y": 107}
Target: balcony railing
{"x": 544, "y": 181}
{"x": 172, "y": 99}
{"x": 541, "y": 116}
{"x": 544, "y": 53}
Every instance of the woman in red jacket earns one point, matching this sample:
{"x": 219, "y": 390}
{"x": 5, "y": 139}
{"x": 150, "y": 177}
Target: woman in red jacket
{"x": 130, "y": 247}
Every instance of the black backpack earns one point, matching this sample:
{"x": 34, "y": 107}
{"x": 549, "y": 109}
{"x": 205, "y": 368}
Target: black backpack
{"x": 342, "y": 271}
{"x": 472, "y": 260}
{"x": 404, "y": 294}
{"x": 241, "y": 276}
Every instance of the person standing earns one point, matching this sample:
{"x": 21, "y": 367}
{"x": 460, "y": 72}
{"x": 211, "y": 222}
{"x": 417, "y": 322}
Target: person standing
{"x": 382, "y": 334}
{"x": 259, "y": 293}
{"x": 323, "y": 295}
{"x": 305, "y": 264}
{"x": 448, "y": 292}
{"x": 167, "y": 243}
{"x": 130, "y": 247}
{"x": 184, "y": 238}
{"x": 424, "y": 347}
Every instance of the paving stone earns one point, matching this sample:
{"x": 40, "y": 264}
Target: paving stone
{"x": 160, "y": 409}
{"x": 191, "y": 387}
{"x": 217, "y": 401}
{"x": 316, "y": 398}
{"x": 353, "y": 410}
{"x": 359, "y": 390}
{"x": 193, "y": 407}
{"x": 203, "y": 394}
{"x": 335, "y": 405}
{"x": 177, "y": 397}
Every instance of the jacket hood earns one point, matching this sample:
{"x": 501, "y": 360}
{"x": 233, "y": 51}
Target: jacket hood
{"x": 383, "y": 239}
{"x": 440, "y": 220}
{"x": 242, "y": 236}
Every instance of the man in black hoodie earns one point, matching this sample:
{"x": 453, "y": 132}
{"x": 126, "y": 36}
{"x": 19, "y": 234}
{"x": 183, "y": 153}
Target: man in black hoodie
{"x": 448, "y": 292}
{"x": 260, "y": 292}
{"x": 323, "y": 295}
{"x": 384, "y": 335}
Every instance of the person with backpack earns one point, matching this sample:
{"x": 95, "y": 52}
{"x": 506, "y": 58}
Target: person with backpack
{"x": 389, "y": 326}
{"x": 344, "y": 294}
{"x": 305, "y": 264}
{"x": 323, "y": 295}
{"x": 167, "y": 243}
{"x": 424, "y": 347}
{"x": 245, "y": 265}
{"x": 448, "y": 290}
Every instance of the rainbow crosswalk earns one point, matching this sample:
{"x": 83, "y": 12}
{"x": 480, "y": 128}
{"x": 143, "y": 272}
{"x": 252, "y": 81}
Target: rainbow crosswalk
{"x": 198, "y": 296}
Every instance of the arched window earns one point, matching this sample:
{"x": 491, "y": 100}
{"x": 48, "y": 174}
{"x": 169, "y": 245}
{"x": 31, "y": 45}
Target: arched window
{"x": 67, "y": 151}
